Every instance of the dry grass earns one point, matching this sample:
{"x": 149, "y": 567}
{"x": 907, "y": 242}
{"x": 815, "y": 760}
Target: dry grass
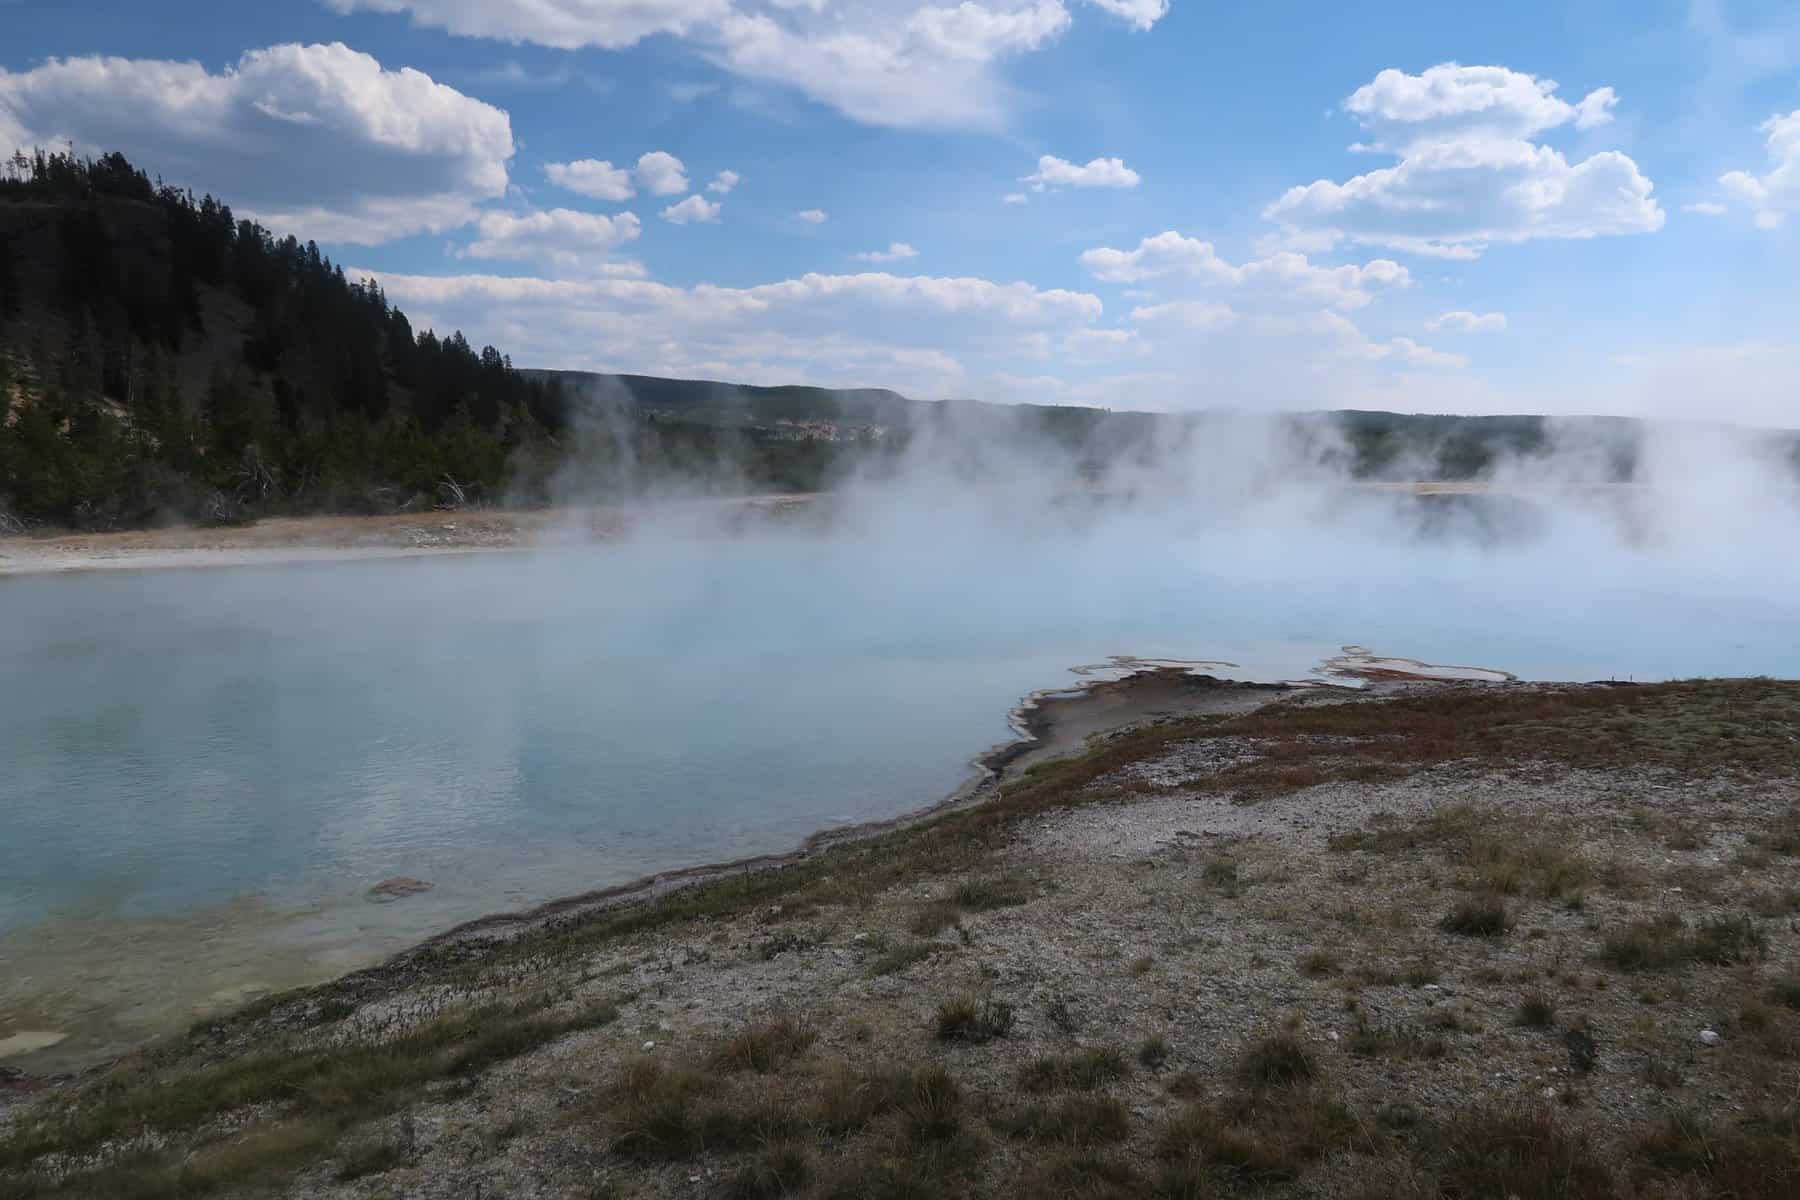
{"x": 1479, "y": 916}
{"x": 763, "y": 1049}
{"x": 1276, "y": 1061}
{"x": 1083, "y": 1070}
{"x": 967, "y": 1019}
{"x": 1660, "y": 942}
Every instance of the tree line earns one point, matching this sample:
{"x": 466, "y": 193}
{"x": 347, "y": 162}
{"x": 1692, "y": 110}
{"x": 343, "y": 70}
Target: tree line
{"x": 160, "y": 358}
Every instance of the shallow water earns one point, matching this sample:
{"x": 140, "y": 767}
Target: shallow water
{"x": 206, "y": 770}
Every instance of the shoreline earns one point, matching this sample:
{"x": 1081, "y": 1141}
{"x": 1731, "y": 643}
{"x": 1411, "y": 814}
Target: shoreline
{"x": 1050, "y": 723}
{"x": 1093, "y": 957}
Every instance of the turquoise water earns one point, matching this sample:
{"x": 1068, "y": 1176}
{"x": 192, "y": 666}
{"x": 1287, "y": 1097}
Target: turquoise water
{"x": 205, "y": 770}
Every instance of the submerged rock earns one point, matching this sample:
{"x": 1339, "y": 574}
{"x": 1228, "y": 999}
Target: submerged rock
{"x": 29, "y": 1042}
{"x": 398, "y": 887}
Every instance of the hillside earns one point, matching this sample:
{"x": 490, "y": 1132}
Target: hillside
{"x": 160, "y": 359}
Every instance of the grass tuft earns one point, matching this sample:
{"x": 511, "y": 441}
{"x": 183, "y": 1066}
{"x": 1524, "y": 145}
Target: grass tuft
{"x": 1275, "y": 1061}
{"x": 1083, "y": 1070}
{"x": 966, "y": 1019}
{"x": 763, "y": 1049}
{"x": 1479, "y": 916}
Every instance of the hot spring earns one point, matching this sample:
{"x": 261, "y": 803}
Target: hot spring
{"x": 206, "y": 770}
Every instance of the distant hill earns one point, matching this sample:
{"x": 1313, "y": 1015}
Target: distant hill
{"x": 1379, "y": 445}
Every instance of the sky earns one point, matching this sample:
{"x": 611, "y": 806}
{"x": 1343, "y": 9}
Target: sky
{"x": 1580, "y": 206}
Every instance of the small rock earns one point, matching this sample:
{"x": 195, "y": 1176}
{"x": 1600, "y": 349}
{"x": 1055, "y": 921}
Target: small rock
{"x": 1332, "y": 1036}
{"x": 1709, "y": 1038}
{"x": 649, "y": 1045}
{"x": 397, "y": 887}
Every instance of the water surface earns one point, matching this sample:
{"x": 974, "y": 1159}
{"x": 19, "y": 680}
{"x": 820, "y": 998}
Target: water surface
{"x": 206, "y": 770}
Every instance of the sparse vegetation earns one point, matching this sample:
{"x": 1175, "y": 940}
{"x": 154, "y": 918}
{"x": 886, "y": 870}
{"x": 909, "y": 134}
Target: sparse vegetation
{"x": 966, "y": 1019}
{"x": 1276, "y": 1060}
{"x": 1480, "y": 916}
{"x": 1079, "y": 1120}
{"x": 1084, "y": 1070}
{"x": 1665, "y": 941}
{"x": 1536, "y": 1011}
{"x": 765, "y": 1048}
{"x": 897, "y": 958}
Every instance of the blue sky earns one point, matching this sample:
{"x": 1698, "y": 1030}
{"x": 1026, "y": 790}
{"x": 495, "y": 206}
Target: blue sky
{"x": 1133, "y": 203}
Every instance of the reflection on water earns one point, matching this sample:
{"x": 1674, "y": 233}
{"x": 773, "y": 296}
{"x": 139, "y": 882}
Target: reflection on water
{"x": 206, "y": 770}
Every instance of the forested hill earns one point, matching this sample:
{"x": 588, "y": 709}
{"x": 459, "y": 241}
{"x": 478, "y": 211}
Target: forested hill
{"x": 161, "y": 359}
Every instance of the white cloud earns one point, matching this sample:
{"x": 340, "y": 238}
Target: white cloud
{"x": 1139, "y": 14}
{"x": 1189, "y": 314}
{"x": 1450, "y": 101}
{"x": 1463, "y": 321}
{"x": 594, "y": 178}
{"x": 1014, "y": 198}
{"x": 1054, "y": 172}
{"x": 1350, "y": 341}
{"x": 723, "y": 182}
{"x": 1283, "y": 274}
{"x": 661, "y": 174}
{"x": 1772, "y": 197}
{"x": 1705, "y": 208}
{"x": 695, "y": 209}
{"x": 918, "y": 66}
{"x": 560, "y": 237}
{"x": 912, "y": 332}
{"x": 320, "y": 140}
{"x": 813, "y": 216}
{"x": 903, "y": 63}
{"x": 564, "y": 24}
{"x": 1468, "y": 173}
{"x": 895, "y": 252}
{"x": 687, "y": 93}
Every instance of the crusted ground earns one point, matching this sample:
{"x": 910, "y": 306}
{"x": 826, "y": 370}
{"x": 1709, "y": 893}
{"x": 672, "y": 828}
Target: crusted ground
{"x": 1462, "y": 941}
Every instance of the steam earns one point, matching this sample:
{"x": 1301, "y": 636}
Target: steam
{"x": 1615, "y": 548}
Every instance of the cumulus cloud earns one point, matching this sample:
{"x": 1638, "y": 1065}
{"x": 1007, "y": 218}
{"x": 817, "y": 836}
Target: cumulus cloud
{"x": 895, "y": 252}
{"x": 661, "y": 174}
{"x": 1468, "y": 172}
{"x": 1350, "y": 341}
{"x": 1463, "y": 321}
{"x": 1054, "y": 172}
{"x": 1188, "y": 314}
{"x": 723, "y": 182}
{"x": 564, "y": 24}
{"x": 562, "y": 238}
{"x": 695, "y": 209}
{"x": 597, "y": 179}
{"x": 320, "y": 140}
{"x": 1139, "y": 14}
{"x": 1282, "y": 274}
{"x": 1014, "y": 198}
{"x": 658, "y": 173}
{"x": 914, "y": 332}
{"x": 1705, "y": 208}
{"x": 813, "y": 216}
{"x": 1454, "y": 101}
{"x": 903, "y": 63}
{"x": 1772, "y": 197}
